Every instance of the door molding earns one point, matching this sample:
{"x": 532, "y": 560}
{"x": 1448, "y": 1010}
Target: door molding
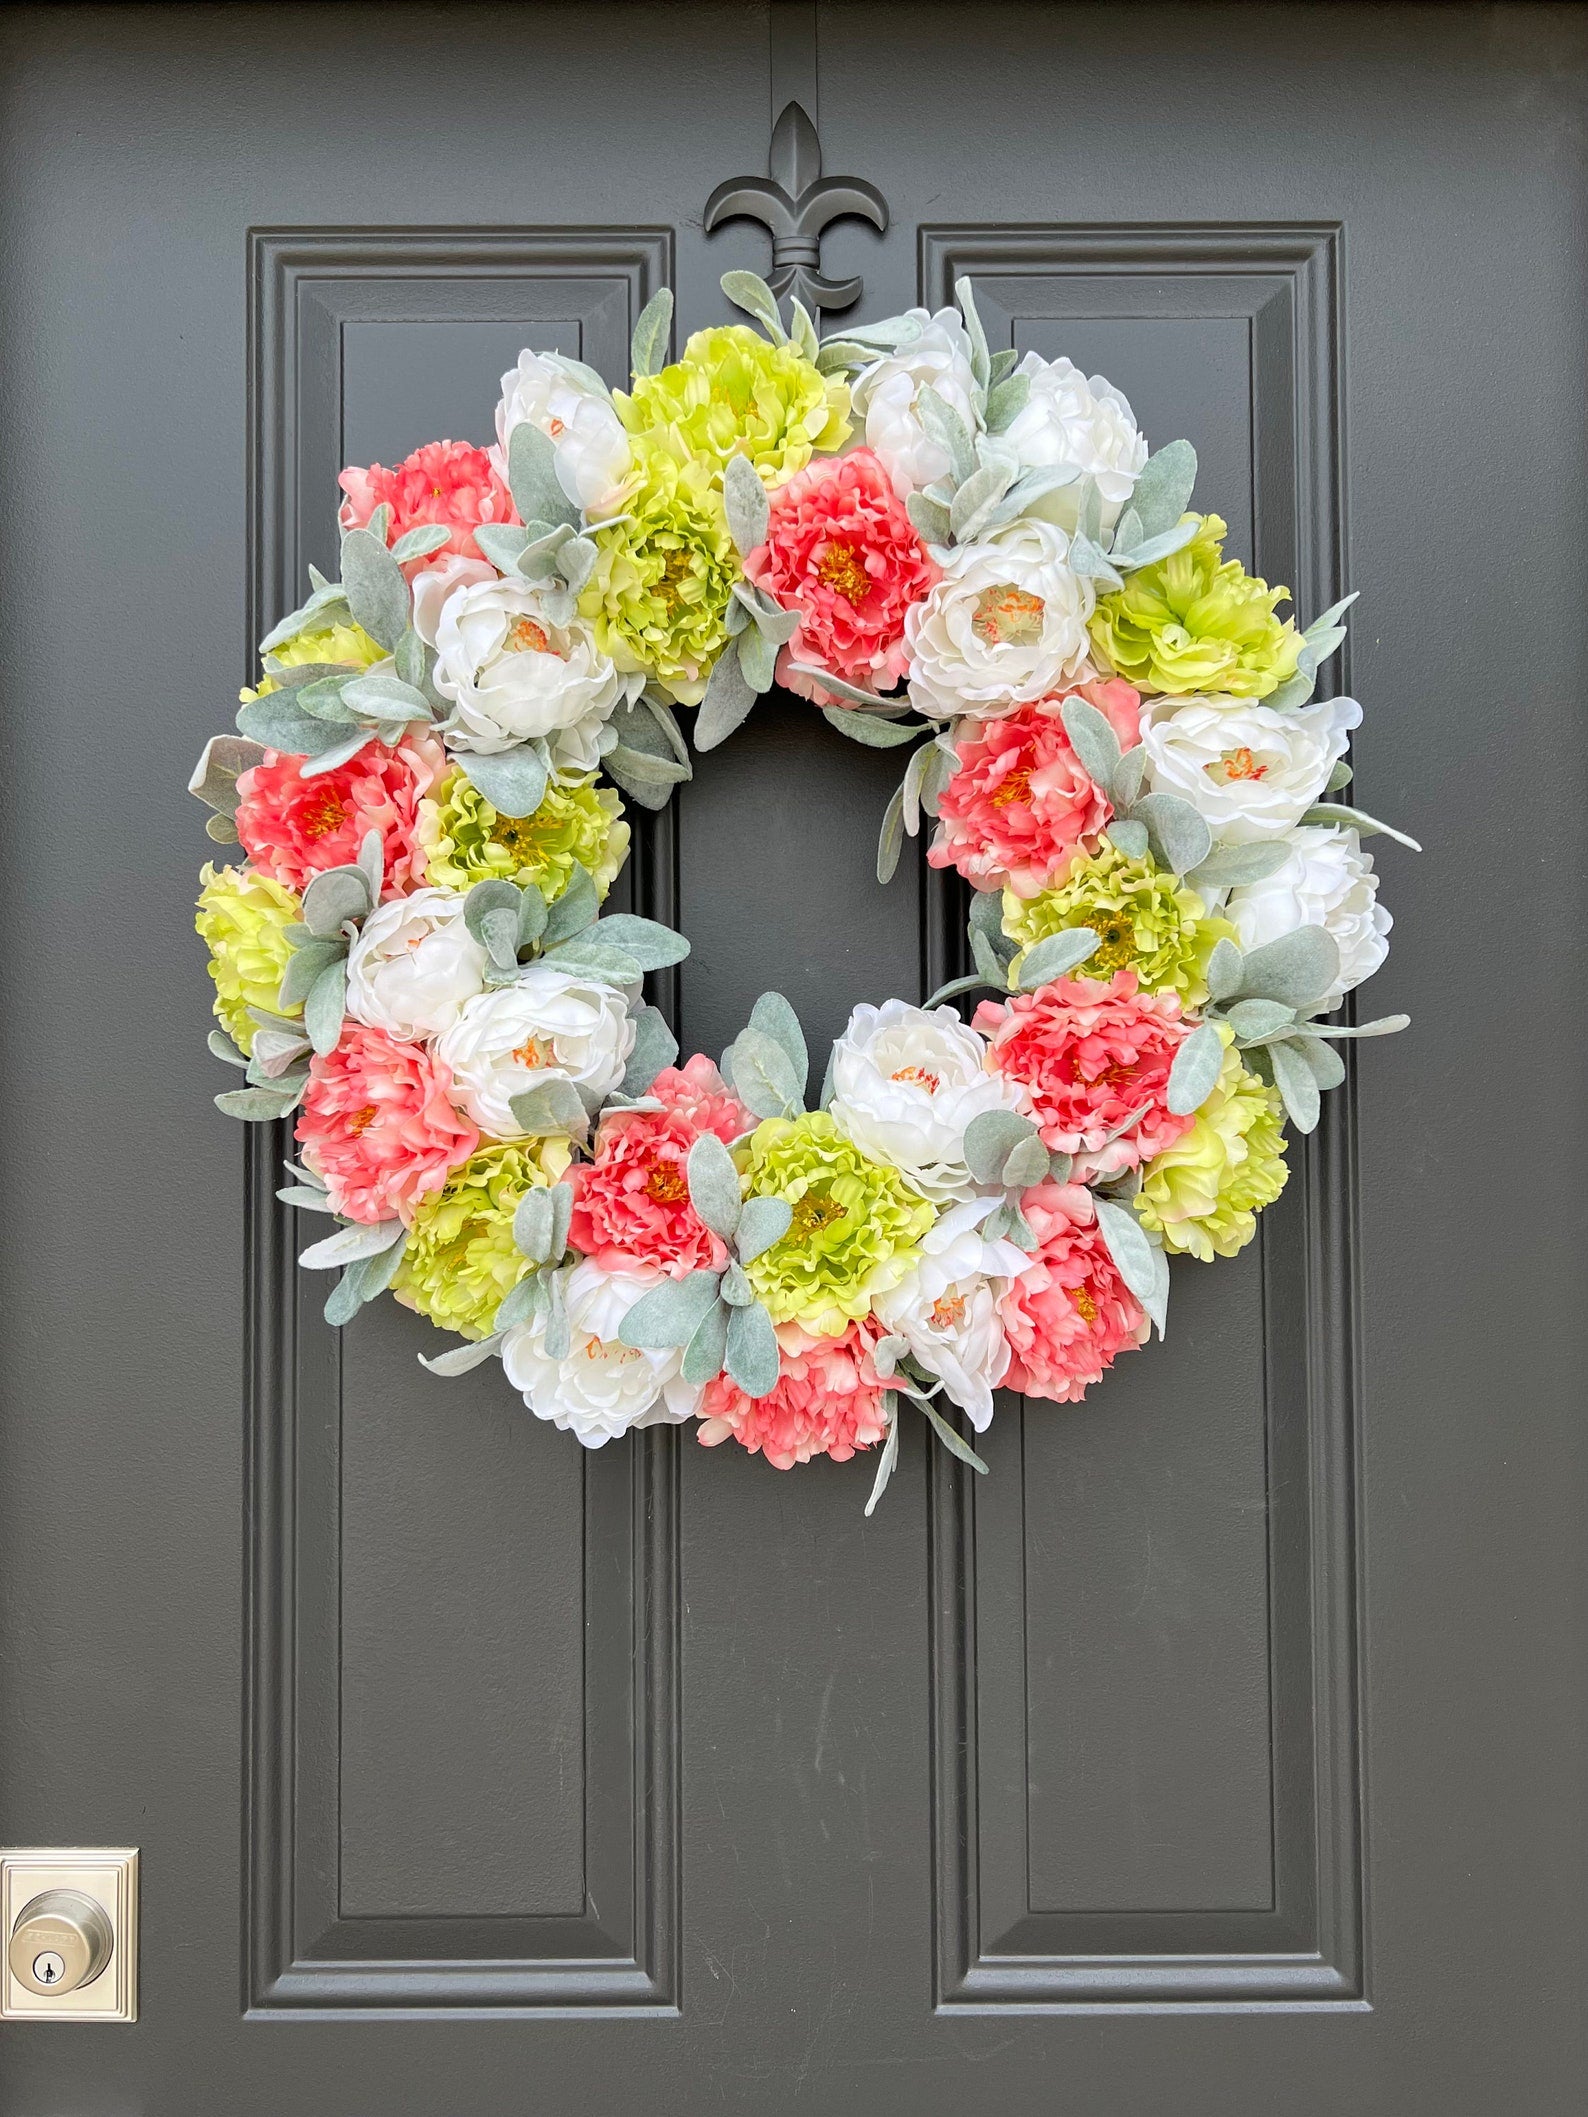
{"x": 304, "y": 1954}
{"x": 996, "y": 1949}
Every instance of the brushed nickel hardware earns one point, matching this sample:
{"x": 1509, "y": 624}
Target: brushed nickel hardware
{"x": 70, "y": 1920}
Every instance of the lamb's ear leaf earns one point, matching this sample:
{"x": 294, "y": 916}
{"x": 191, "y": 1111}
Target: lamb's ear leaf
{"x": 890, "y": 1453}
{"x": 551, "y": 1106}
{"x": 348, "y": 1245}
{"x": 745, "y": 502}
{"x": 714, "y": 1185}
{"x": 1260, "y": 1018}
{"x": 532, "y": 478}
{"x": 762, "y": 1222}
{"x": 1163, "y": 491}
{"x": 362, "y": 1281}
{"x": 1178, "y": 833}
{"x": 1298, "y": 968}
{"x": 652, "y": 945}
{"x": 872, "y": 732}
{"x": 533, "y": 1224}
{"x": 748, "y": 291}
{"x": 648, "y": 352}
{"x": 376, "y": 592}
{"x": 890, "y": 839}
{"x": 512, "y": 781}
{"x": 1225, "y": 968}
{"x": 990, "y": 1140}
{"x": 1027, "y": 1164}
{"x": 763, "y": 1075}
{"x": 1196, "y": 1069}
{"x": 1130, "y": 1246}
{"x": 727, "y": 702}
{"x": 1056, "y": 955}
{"x": 668, "y": 1316}
{"x": 775, "y": 1018}
{"x": 1297, "y": 1085}
{"x": 708, "y": 1345}
{"x": 335, "y": 895}
{"x": 463, "y": 1357}
{"x": 955, "y": 1443}
{"x": 325, "y": 1007}
{"x": 751, "y": 1354}
{"x": 1234, "y": 866}
{"x": 655, "y": 1046}
{"x": 577, "y": 907}
{"x": 1093, "y": 739}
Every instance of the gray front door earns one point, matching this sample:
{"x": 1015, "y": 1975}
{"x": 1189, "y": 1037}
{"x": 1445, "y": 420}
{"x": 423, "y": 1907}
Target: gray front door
{"x": 1222, "y": 1753}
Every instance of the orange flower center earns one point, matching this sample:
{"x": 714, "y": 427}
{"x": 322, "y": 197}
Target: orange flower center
{"x": 555, "y": 429}
{"x": 1008, "y": 615}
{"x": 524, "y": 636}
{"x": 1085, "y": 1306}
{"x": 361, "y": 1120}
{"x": 322, "y": 813}
{"x": 814, "y": 1212}
{"x": 843, "y": 570}
{"x": 666, "y": 1184}
{"x": 533, "y": 1053}
{"x": 931, "y": 1082}
{"x": 1116, "y": 950}
{"x": 949, "y": 1312}
{"x": 435, "y": 492}
{"x": 1017, "y": 787}
{"x": 1236, "y": 764}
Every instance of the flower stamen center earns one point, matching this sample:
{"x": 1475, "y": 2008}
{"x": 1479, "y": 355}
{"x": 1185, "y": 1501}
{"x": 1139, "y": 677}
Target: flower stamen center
{"x": 1008, "y": 616}
{"x": 1116, "y": 949}
{"x": 525, "y": 636}
{"x": 325, "y": 812}
{"x": 534, "y": 1054}
{"x": 361, "y": 1120}
{"x": 666, "y": 1184}
{"x": 1236, "y": 764}
{"x": 948, "y": 1313}
{"x": 931, "y": 1082}
{"x": 1017, "y": 787}
{"x": 814, "y": 1212}
{"x": 842, "y": 570}
{"x": 1085, "y": 1306}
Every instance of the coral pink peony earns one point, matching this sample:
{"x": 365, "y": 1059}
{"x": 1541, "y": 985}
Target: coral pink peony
{"x": 1069, "y": 1314}
{"x": 827, "y": 1401}
{"x": 841, "y": 550}
{"x": 377, "y": 1127}
{"x": 445, "y": 481}
{"x": 293, "y": 828}
{"x": 631, "y": 1203}
{"x": 1021, "y": 808}
{"x": 1090, "y": 1055}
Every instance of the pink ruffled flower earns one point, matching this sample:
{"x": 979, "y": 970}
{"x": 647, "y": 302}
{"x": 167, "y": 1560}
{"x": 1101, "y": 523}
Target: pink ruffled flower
{"x": 445, "y": 481}
{"x": 377, "y": 1127}
{"x": 1090, "y": 1055}
{"x": 841, "y": 550}
{"x": 293, "y": 828}
{"x": 1069, "y": 1314}
{"x": 1021, "y": 809}
{"x": 827, "y": 1401}
{"x": 631, "y": 1203}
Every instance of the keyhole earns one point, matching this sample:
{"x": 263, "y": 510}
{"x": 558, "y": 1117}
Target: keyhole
{"x": 48, "y": 1968}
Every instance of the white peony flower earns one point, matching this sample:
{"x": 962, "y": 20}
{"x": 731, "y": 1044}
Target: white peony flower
{"x": 906, "y": 1083}
{"x": 601, "y": 1388}
{"x": 1004, "y": 625}
{"x": 947, "y": 1309}
{"x": 549, "y": 1024}
{"x": 1251, "y": 770}
{"x": 1327, "y": 881}
{"x": 435, "y": 585}
{"x": 578, "y": 416}
{"x": 414, "y": 966}
{"x": 1078, "y": 424}
{"x": 884, "y": 397}
{"x": 512, "y": 675}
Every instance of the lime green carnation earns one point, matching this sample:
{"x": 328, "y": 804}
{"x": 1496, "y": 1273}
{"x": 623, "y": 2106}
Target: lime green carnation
{"x": 657, "y": 597}
{"x": 734, "y": 394}
{"x": 461, "y": 1259}
{"x": 243, "y": 919}
{"x": 328, "y": 643}
{"x": 1145, "y": 918}
{"x": 1203, "y": 1194}
{"x": 1197, "y": 621}
{"x": 855, "y": 1229}
{"x": 578, "y": 824}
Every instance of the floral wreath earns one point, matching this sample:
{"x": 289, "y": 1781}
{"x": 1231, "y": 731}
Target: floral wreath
{"x": 1114, "y": 729}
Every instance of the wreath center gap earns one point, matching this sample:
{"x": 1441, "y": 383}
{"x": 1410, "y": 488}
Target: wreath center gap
{"x": 960, "y": 554}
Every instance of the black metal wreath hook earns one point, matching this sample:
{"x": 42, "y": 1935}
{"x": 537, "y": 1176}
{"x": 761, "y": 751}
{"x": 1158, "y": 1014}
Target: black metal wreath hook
{"x": 796, "y": 203}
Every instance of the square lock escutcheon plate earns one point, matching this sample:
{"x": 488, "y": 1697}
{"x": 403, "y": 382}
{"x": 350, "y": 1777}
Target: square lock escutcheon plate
{"x": 108, "y": 1878}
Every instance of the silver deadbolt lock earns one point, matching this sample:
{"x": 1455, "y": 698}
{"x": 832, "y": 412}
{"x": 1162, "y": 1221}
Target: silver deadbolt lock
{"x": 62, "y": 1939}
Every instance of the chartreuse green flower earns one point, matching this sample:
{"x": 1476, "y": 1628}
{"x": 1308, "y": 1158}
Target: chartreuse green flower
{"x": 243, "y": 919}
{"x": 1145, "y": 918}
{"x": 1203, "y": 1194}
{"x": 1197, "y": 621}
{"x": 855, "y": 1229}
{"x": 734, "y": 394}
{"x": 578, "y": 824}
{"x": 325, "y": 643}
{"x": 657, "y": 596}
{"x": 461, "y": 1259}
